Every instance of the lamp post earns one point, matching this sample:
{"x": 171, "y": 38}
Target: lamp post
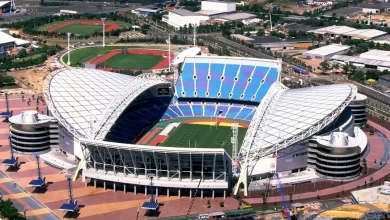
{"x": 104, "y": 27}
{"x": 68, "y": 48}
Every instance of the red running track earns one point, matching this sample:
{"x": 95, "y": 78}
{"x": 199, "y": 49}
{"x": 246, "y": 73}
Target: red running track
{"x": 143, "y": 137}
{"x": 158, "y": 140}
{"x": 154, "y": 132}
{"x": 109, "y": 25}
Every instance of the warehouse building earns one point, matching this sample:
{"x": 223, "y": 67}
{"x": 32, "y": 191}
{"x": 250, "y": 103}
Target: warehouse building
{"x": 348, "y": 32}
{"x": 273, "y": 43}
{"x": 326, "y": 52}
{"x": 236, "y": 17}
{"x": 181, "y": 17}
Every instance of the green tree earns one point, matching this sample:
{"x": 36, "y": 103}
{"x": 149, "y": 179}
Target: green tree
{"x": 7, "y": 210}
{"x": 324, "y": 66}
{"x": 260, "y": 32}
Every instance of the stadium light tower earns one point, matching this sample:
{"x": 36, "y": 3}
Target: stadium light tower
{"x": 68, "y": 48}
{"x": 104, "y": 27}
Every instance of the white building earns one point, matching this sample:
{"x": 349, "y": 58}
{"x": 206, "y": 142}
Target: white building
{"x": 218, "y": 5}
{"x": 209, "y": 10}
{"x": 326, "y": 52}
{"x": 8, "y": 42}
{"x": 181, "y": 17}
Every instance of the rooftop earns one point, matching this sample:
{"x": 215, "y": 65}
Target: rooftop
{"x": 30, "y": 117}
{"x": 334, "y": 30}
{"x": 329, "y": 49}
{"x": 366, "y": 61}
{"x": 238, "y": 16}
{"x": 379, "y": 55}
{"x": 6, "y": 38}
{"x": 365, "y": 33}
{"x": 242, "y": 37}
{"x": 184, "y": 12}
{"x": 3, "y": 3}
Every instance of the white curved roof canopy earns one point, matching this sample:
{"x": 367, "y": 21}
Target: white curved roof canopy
{"x": 287, "y": 116}
{"x": 83, "y": 100}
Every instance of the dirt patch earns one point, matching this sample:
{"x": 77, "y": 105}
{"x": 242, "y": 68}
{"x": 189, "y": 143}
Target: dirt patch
{"x": 31, "y": 80}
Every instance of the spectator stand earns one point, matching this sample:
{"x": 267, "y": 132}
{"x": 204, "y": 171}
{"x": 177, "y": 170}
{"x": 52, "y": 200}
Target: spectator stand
{"x": 151, "y": 206}
{"x": 71, "y": 208}
{"x": 12, "y": 162}
{"x": 39, "y": 183}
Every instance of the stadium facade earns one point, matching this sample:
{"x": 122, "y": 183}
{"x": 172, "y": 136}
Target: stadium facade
{"x": 101, "y": 116}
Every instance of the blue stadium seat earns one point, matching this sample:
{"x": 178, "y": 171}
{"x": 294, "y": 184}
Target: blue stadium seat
{"x": 233, "y": 111}
{"x": 176, "y": 110}
{"x": 222, "y": 107}
{"x": 186, "y": 109}
{"x": 186, "y": 86}
{"x": 228, "y": 81}
{"x": 244, "y": 113}
{"x": 202, "y": 70}
{"x": 258, "y": 75}
{"x": 241, "y": 82}
{"x": 209, "y": 110}
{"x": 198, "y": 109}
{"x": 216, "y": 71}
{"x": 271, "y": 77}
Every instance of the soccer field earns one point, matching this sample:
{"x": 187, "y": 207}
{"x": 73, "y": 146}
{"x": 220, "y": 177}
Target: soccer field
{"x": 81, "y": 29}
{"x": 204, "y": 136}
{"x": 132, "y": 61}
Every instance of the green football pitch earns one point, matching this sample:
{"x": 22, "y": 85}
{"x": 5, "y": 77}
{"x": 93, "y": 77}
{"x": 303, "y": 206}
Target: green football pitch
{"x": 81, "y": 29}
{"x": 132, "y": 61}
{"x": 204, "y": 136}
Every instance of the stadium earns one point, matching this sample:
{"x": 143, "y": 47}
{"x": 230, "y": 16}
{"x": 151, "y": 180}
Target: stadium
{"x": 224, "y": 119}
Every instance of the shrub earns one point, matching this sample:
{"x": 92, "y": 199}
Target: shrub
{"x": 318, "y": 197}
{"x": 208, "y": 205}
{"x": 247, "y": 207}
{"x": 221, "y": 204}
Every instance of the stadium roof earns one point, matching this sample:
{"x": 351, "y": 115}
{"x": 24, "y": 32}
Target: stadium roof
{"x": 85, "y": 100}
{"x": 287, "y": 116}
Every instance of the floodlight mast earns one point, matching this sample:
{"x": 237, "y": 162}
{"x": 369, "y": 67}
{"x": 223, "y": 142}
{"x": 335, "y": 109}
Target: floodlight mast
{"x": 104, "y": 34}
{"x": 68, "y": 48}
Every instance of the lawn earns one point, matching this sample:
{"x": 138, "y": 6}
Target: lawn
{"x": 204, "y": 136}
{"x": 81, "y": 29}
{"x": 35, "y": 56}
{"x": 79, "y": 56}
{"x": 53, "y": 24}
{"x": 132, "y": 61}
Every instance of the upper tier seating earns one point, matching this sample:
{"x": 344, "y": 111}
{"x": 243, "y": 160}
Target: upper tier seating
{"x": 245, "y": 82}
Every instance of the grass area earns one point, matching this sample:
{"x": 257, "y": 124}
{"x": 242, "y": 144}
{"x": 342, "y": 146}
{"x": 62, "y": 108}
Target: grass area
{"x": 35, "y": 56}
{"x": 79, "y": 56}
{"x": 204, "y": 136}
{"x": 133, "y": 61}
{"x": 81, "y": 29}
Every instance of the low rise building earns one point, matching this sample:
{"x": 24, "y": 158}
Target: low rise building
{"x": 326, "y": 52}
